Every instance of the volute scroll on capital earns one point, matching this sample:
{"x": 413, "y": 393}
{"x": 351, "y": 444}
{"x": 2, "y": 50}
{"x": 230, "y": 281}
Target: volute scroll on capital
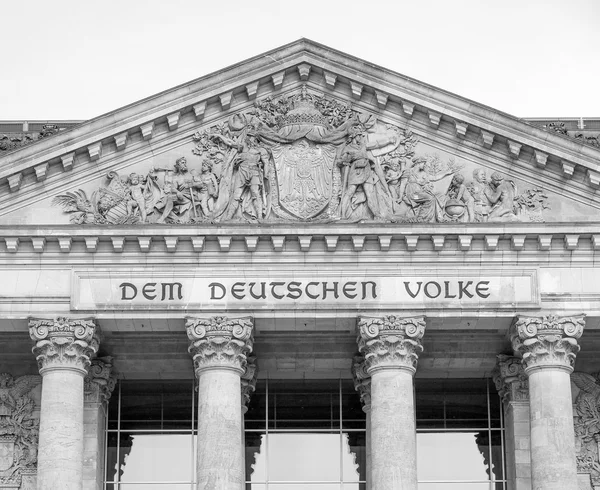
{"x": 99, "y": 382}
{"x": 64, "y": 343}
{"x": 390, "y": 342}
{"x": 362, "y": 381}
{"x": 220, "y": 342}
{"x": 547, "y": 342}
{"x": 248, "y": 381}
{"x": 510, "y": 379}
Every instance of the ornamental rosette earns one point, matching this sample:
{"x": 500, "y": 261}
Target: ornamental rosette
{"x": 510, "y": 379}
{"x": 549, "y": 341}
{"x": 220, "y": 342}
{"x": 64, "y": 343}
{"x": 362, "y": 381}
{"x": 390, "y": 342}
{"x": 248, "y": 381}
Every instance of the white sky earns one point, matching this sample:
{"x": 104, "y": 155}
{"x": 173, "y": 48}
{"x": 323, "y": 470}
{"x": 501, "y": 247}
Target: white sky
{"x": 76, "y": 59}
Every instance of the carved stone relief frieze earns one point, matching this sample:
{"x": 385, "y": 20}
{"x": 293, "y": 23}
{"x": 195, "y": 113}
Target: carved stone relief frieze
{"x": 586, "y": 413}
{"x": 305, "y": 158}
{"x": 19, "y": 431}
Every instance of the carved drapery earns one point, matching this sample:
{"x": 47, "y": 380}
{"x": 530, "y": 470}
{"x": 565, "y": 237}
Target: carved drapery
{"x": 248, "y": 381}
{"x": 99, "y": 382}
{"x": 390, "y": 342}
{"x": 548, "y": 341}
{"x": 510, "y": 379}
{"x": 362, "y": 381}
{"x": 19, "y": 431}
{"x": 64, "y": 343}
{"x": 220, "y": 342}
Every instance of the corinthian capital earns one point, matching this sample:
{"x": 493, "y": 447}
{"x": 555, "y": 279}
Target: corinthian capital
{"x": 99, "y": 382}
{"x": 390, "y": 342}
{"x": 64, "y": 343}
{"x": 248, "y": 381}
{"x": 220, "y": 342}
{"x": 549, "y": 341}
{"x": 362, "y": 381}
{"x": 510, "y": 379}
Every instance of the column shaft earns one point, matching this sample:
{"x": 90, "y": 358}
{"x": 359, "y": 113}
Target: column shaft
{"x": 553, "y": 465}
{"x": 518, "y": 454}
{"x": 369, "y": 452}
{"x": 60, "y": 453}
{"x": 220, "y": 464}
{"x": 393, "y": 436}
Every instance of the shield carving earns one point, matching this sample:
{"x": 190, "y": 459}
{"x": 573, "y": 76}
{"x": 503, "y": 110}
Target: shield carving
{"x": 7, "y": 451}
{"x": 304, "y": 177}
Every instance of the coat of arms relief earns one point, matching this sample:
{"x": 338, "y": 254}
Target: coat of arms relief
{"x": 305, "y": 158}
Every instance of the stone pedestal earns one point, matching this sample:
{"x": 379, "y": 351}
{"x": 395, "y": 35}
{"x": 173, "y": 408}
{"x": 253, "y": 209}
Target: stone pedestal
{"x": 391, "y": 346}
{"x": 98, "y": 387}
{"x": 220, "y": 346}
{"x": 513, "y": 388}
{"x": 63, "y": 349}
{"x": 548, "y": 347}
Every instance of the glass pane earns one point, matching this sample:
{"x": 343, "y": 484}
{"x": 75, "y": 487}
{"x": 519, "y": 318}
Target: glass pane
{"x": 256, "y": 446}
{"x": 111, "y": 456}
{"x": 156, "y": 486}
{"x": 303, "y": 457}
{"x": 298, "y": 404}
{"x": 157, "y": 457}
{"x": 353, "y": 416}
{"x": 255, "y": 486}
{"x": 354, "y": 486}
{"x": 452, "y": 456}
{"x": 495, "y": 408}
{"x": 304, "y": 486}
{"x": 455, "y": 486}
{"x": 354, "y": 457}
{"x": 156, "y": 405}
{"x": 256, "y": 416}
{"x": 113, "y": 409}
{"x": 497, "y": 455}
{"x": 451, "y": 403}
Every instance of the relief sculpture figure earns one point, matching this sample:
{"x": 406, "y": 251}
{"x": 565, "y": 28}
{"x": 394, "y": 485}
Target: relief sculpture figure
{"x": 176, "y": 201}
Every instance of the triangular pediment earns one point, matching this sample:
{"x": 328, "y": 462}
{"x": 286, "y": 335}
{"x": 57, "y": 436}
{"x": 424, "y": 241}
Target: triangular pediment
{"x": 301, "y": 134}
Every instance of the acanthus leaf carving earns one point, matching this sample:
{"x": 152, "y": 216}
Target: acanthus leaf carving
{"x": 248, "y": 381}
{"x": 362, "y": 381}
{"x": 510, "y": 379}
{"x": 220, "y": 342}
{"x": 64, "y": 343}
{"x": 390, "y": 342}
{"x": 548, "y": 341}
{"x": 306, "y": 158}
{"x": 19, "y": 429}
{"x": 99, "y": 382}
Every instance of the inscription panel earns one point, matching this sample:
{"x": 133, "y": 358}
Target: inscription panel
{"x": 197, "y": 289}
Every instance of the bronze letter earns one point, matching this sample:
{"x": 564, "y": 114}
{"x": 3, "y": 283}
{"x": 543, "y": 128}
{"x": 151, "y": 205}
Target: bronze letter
{"x": 482, "y": 288}
{"x": 333, "y": 290}
{"x": 273, "y": 286}
{"x": 426, "y": 289}
{"x": 407, "y": 287}
{"x": 349, "y": 289}
{"x": 212, "y": 287}
{"x": 463, "y": 289}
{"x": 171, "y": 287}
{"x": 262, "y": 294}
{"x": 294, "y": 291}
{"x": 311, "y": 296}
{"x": 373, "y": 289}
{"x": 124, "y": 286}
{"x": 237, "y": 293}
{"x": 148, "y": 291}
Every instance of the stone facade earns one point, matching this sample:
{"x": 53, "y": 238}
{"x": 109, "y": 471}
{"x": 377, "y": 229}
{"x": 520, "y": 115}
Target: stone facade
{"x": 318, "y": 217}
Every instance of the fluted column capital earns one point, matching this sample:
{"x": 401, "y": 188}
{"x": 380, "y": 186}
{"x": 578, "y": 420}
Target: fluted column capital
{"x": 510, "y": 379}
{"x": 248, "y": 381}
{"x": 64, "y": 344}
{"x": 547, "y": 342}
{"x": 390, "y": 342}
{"x": 99, "y": 382}
{"x": 362, "y": 381}
{"x": 220, "y": 342}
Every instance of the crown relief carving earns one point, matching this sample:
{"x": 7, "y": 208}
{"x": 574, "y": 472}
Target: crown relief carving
{"x": 304, "y": 158}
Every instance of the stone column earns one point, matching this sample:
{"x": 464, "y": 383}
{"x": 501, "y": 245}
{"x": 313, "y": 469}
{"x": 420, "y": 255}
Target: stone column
{"x": 362, "y": 384}
{"x": 63, "y": 348}
{"x": 98, "y": 387}
{"x": 220, "y": 347}
{"x": 248, "y": 384}
{"x": 548, "y": 347}
{"x": 391, "y": 347}
{"x": 513, "y": 388}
